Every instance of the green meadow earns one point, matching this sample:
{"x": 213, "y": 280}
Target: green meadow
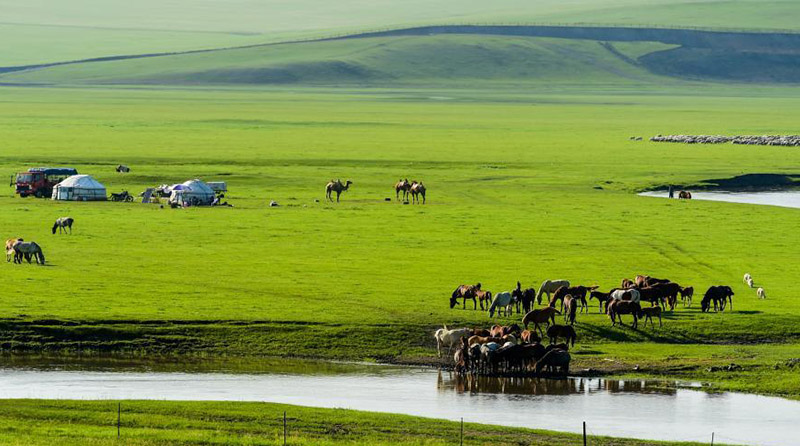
{"x": 522, "y": 185}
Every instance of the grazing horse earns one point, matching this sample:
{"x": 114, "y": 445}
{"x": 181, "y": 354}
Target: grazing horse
{"x": 465, "y": 292}
{"x": 417, "y": 190}
{"x": 649, "y": 313}
{"x": 602, "y": 298}
{"x": 502, "y": 301}
{"x": 570, "y": 309}
{"x": 686, "y": 295}
{"x": 550, "y": 286}
{"x": 338, "y": 187}
{"x": 402, "y": 186}
{"x": 483, "y": 296}
{"x": 632, "y": 295}
{"x": 562, "y": 331}
{"x": 718, "y": 294}
{"x": 652, "y": 295}
{"x": 619, "y": 307}
{"x": 684, "y": 195}
{"x": 668, "y": 291}
{"x": 542, "y": 315}
{"x": 525, "y": 296}
{"x": 449, "y": 338}
{"x": 577, "y": 292}
{"x": 62, "y": 224}
{"x": 28, "y": 249}
{"x": 10, "y": 248}
{"x": 529, "y": 337}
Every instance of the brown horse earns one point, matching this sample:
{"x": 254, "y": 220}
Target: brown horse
{"x": 640, "y": 280}
{"x": 619, "y": 307}
{"x": 627, "y": 283}
{"x": 649, "y": 313}
{"x": 684, "y": 195}
{"x": 652, "y": 295}
{"x": 529, "y": 337}
{"x": 10, "y": 247}
{"x": 544, "y": 315}
{"x": 402, "y": 186}
{"x": 465, "y": 292}
{"x": 686, "y": 295}
{"x": 417, "y": 190}
{"x": 562, "y": 331}
{"x": 480, "y": 332}
{"x": 577, "y": 292}
{"x": 483, "y": 296}
{"x": 496, "y": 331}
{"x": 570, "y": 309}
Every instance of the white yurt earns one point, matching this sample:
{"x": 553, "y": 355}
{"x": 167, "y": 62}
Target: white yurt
{"x": 79, "y": 188}
{"x": 194, "y": 192}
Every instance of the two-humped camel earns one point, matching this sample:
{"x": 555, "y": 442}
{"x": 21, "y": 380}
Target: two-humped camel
{"x": 336, "y": 186}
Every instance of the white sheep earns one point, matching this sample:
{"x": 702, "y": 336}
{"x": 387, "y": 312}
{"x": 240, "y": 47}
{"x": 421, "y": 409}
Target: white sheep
{"x": 747, "y": 277}
{"x": 760, "y": 293}
{"x": 750, "y": 283}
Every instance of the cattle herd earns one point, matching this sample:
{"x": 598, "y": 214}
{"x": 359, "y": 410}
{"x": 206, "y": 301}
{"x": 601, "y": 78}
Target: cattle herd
{"x": 751, "y": 140}
{"x": 515, "y": 349}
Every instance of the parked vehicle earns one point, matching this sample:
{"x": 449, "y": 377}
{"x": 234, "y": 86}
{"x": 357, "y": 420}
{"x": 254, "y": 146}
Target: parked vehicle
{"x": 122, "y": 196}
{"x": 39, "y": 181}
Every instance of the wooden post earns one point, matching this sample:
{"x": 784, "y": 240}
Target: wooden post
{"x": 119, "y": 416}
{"x": 284, "y": 428}
{"x": 712, "y": 438}
{"x": 462, "y": 431}
{"x": 584, "y": 433}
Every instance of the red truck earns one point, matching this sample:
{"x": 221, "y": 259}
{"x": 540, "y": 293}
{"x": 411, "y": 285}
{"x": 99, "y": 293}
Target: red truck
{"x": 39, "y": 181}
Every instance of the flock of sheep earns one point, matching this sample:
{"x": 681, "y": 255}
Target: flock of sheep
{"x": 752, "y": 140}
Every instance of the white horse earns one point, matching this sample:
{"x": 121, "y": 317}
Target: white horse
{"x": 635, "y": 296}
{"x": 761, "y": 293}
{"x": 746, "y": 277}
{"x": 62, "y": 224}
{"x": 550, "y": 286}
{"x": 449, "y": 338}
{"x": 502, "y": 301}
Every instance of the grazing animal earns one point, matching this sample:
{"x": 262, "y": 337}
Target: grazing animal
{"x": 529, "y": 337}
{"x": 649, "y": 313}
{"x": 640, "y": 281}
{"x": 562, "y": 331}
{"x": 502, "y": 301}
{"x": 123, "y": 168}
{"x": 28, "y": 249}
{"x": 525, "y": 297}
{"x": 686, "y": 295}
{"x": 417, "y": 190}
{"x": 465, "y": 292}
{"x": 544, "y": 315}
{"x": 577, "y": 292}
{"x": 550, "y": 286}
{"x": 602, "y": 298}
{"x": 684, "y": 195}
{"x": 480, "y": 340}
{"x": 750, "y": 283}
{"x": 668, "y": 291}
{"x": 651, "y": 281}
{"x": 717, "y": 294}
{"x": 338, "y": 187}
{"x": 650, "y": 294}
{"x": 747, "y": 277}
{"x": 496, "y": 331}
{"x": 632, "y": 295}
{"x": 760, "y": 293}
{"x": 619, "y": 307}
{"x": 570, "y": 309}
{"x": 63, "y": 223}
{"x": 10, "y": 248}
{"x": 449, "y": 338}
{"x": 483, "y": 296}
{"x": 555, "y": 361}
{"x": 402, "y": 186}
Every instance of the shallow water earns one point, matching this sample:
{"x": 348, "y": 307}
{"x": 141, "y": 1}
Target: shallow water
{"x": 783, "y": 198}
{"x": 641, "y": 409}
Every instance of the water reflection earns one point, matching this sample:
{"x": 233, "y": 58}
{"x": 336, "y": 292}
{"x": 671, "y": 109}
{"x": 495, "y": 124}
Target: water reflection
{"x": 476, "y": 384}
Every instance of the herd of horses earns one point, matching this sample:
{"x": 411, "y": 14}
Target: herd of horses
{"x": 507, "y": 350}
{"x": 513, "y": 349}
{"x": 19, "y": 249}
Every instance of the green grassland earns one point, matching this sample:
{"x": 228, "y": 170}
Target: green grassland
{"x": 49, "y": 30}
{"x": 525, "y": 184}
{"x": 37, "y": 422}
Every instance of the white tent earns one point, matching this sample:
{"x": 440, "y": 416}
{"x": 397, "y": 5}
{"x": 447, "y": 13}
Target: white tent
{"x": 79, "y": 188}
{"x": 194, "y": 192}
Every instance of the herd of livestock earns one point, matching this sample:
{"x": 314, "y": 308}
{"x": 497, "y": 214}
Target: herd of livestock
{"x": 751, "y": 140}
{"x": 517, "y": 350}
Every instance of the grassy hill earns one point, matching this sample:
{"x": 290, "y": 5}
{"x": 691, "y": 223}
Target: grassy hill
{"x": 418, "y": 60}
{"x": 51, "y": 30}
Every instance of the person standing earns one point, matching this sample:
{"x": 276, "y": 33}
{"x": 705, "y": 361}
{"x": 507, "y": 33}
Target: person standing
{"x": 671, "y": 192}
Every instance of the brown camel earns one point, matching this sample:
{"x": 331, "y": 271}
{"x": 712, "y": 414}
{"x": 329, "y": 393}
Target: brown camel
{"x": 417, "y": 189}
{"x": 402, "y": 186}
{"x": 336, "y": 186}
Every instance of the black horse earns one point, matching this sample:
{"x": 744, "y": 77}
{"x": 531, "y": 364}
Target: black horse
{"x": 524, "y": 296}
{"x": 719, "y": 295}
